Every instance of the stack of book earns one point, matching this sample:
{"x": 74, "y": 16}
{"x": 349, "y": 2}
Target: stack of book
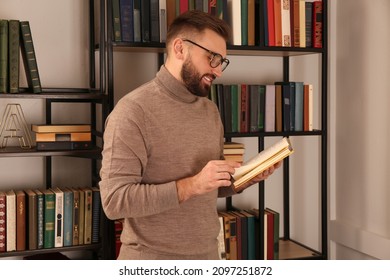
{"x": 33, "y": 219}
{"x": 62, "y": 136}
{"x": 16, "y": 35}
{"x": 234, "y": 151}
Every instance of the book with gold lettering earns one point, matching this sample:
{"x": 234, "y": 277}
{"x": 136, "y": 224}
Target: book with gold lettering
{"x": 262, "y": 161}
{"x": 49, "y": 217}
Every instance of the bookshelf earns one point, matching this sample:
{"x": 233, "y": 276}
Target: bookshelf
{"x": 93, "y": 102}
{"x": 289, "y": 248}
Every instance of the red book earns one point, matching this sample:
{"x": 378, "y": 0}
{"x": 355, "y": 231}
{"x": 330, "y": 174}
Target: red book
{"x": 20, "y": 220}
{"x": 317, "y": 24}
{"x": 271, "y": 23}
{"x": 183, "y": 6}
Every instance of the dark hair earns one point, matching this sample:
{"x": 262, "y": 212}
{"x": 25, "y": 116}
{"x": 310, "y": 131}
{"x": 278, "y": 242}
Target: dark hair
{"x": 195, "y": 21}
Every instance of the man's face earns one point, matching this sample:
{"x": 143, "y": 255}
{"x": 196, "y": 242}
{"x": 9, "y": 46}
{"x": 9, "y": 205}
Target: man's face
{"x": 197, "y": 83}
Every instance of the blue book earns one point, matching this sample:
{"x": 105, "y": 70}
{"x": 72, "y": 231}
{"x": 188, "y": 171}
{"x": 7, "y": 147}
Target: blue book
{"x": 127, "y": 20}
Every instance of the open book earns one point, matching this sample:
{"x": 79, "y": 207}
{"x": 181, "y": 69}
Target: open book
{"x": 261, "y": 162}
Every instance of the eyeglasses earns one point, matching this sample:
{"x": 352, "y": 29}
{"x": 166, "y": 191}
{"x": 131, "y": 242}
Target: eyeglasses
{"x": 215, "y": 59}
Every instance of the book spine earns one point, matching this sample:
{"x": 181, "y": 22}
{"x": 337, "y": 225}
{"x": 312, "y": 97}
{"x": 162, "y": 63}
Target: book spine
{"x": 88, "y": 216}
{"x": 20, "y": 221}
{"x": 163, "y": 17}
{"x": 126, "y": 20}
{"x": 14, "y": 44}
{"x": 40, "y": 229}
{"x": 49, "y": 218}
{"x": 154, "y": 21}
{"x": 308, "y": 23}
{"x": 59, "y": 137}
{"x": 68, "y": 218}
{"x": 63, "y": 145}
{"x": 75, "y": 217}
{"x": 11, "y": 221}
{"x": 81, "y": 216}
{"x": 96, "y": 207}
{"x": 145, "y": 21}
{"x": 59, "y": 219}
{"x": 32, "y": 214}
{"x": 116, "y": 20}
{"x": 317, "y": 24}
{"x": 3, "y": 56}
{"x": 29, "y": 58}
{"x": 2, "y": 222}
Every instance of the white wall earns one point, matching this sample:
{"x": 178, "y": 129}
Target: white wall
{"x": 360, "y": 227}
{"x": 60, "y": 35}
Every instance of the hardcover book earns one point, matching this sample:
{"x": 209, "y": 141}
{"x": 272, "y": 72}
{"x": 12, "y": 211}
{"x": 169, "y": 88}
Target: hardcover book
{"x": 40, "y": 210}
{"x": 11, "y": 221}
{"x": 60, "y": 128}
{"x": 49, "y": 218}
{"x": 13, "y": 50}
{"x": 76, "y": 216}
{"x": 262, "y": 161}
{"x": 32, "y": 220}
{"x": 29, "y": 58}
{"x": 3, "y": 228}
{"x": 63, "y": 145}
{"x": 96, "y": 208}
{"x": 68, "y": 217}
{"x": 59, "y": 218}
{"x": 87, "y": 215}
{"x": 20, "y": 220}
{"x": 3, "y": 56}
{"x": 60, "y": 137}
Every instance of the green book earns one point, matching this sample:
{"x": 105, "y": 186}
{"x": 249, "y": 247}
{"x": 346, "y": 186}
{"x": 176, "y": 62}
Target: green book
{"x": 68, "y": 217}
{"x": 116, "y": 21}
{"x": 3, "y": 56}
{"x": 13, "y": 50}
{"x": 49, "y": 218}
{"x": 29, "y": 58}
{"x": 244, "y": 22}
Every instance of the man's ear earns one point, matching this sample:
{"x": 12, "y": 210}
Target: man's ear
{"x": 178, "y": 48}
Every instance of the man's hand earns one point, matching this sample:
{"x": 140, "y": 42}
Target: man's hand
{"x": 216, "y": 173}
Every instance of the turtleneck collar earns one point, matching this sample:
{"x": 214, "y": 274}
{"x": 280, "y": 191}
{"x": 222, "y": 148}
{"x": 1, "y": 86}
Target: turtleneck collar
{"x": 174, "y": 87}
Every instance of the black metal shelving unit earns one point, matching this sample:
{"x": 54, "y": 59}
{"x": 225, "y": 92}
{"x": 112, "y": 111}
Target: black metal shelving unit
{"x": 94, "y": 96}
{"x": 284, "y": 53}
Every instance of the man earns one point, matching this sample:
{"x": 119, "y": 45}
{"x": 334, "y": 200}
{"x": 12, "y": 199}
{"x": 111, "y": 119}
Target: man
{"x": 163, "y": 167}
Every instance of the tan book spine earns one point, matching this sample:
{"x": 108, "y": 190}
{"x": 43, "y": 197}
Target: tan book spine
{"x": 72, "y": 136}
{"x": 11, "y": 221}
{"x": 58, "y": 128}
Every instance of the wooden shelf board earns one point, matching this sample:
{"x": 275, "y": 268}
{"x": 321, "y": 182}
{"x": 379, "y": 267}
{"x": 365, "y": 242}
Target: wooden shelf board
{"x": 289, "y": 249}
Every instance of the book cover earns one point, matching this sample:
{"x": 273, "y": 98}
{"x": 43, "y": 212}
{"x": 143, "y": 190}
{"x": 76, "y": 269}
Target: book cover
{"x": 244, "y": 109}
{"x": 302, "y": 24}
{"x": 20, "y": 220}
{"x": 60, "y": 137}
{"x": 3, "y": 228}
{"x": 137, "y": 21}
{"x": 308, "y": 107}
{"x": 49, "y": 218}
{"x": 171, "y": 11}
{"x": 262, "y": 161}
{"x": 3, "y": 56}
{"x": 221, "y": 239}
{"x": 244, "y": 22}
{"x": 32, "y": 220}
{"x": 40, "y": 218}
{"x": 298, "y": 106}
{"x": 10, "y": 221}
{"x": 278, "y": 22}
{"x": 29, "y": 58}
{"x": 235, "y": 92}
{"x": 269, "y": 219}
{"x": 278, "y": 108}
{"x": 251, "y": 255}
{"x": 163, "y": 19}
{"x": 59, "y": 218}
{"x": 227, "y": 108}
{"x": 87, "y": 215}
{"x": 96, "y": 208}
{"x": 68, "y": 217}
{"x": 251, "y": 22}
{"x": 13, "y": 53}
{"x": 60, "y": 128}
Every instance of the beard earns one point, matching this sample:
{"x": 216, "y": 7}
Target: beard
{"x": 193, "y": 79}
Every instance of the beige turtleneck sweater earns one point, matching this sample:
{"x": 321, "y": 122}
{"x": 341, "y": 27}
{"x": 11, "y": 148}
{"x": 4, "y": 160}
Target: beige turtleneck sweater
{"x": 156, "y": 135}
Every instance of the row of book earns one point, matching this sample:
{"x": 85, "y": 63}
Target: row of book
{"x": 62, "y": 136}
{"x": 283, "y": 106}
{"x": 16, "y": 35}
{"x": 234, "y": 151}
{"x": 33, "y": 219}
{"x": 285, "y": 23}
{"x": 239, "y": 236}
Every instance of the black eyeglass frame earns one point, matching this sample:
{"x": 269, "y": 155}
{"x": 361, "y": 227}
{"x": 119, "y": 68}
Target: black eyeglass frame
{"x": 214, "y": 55}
